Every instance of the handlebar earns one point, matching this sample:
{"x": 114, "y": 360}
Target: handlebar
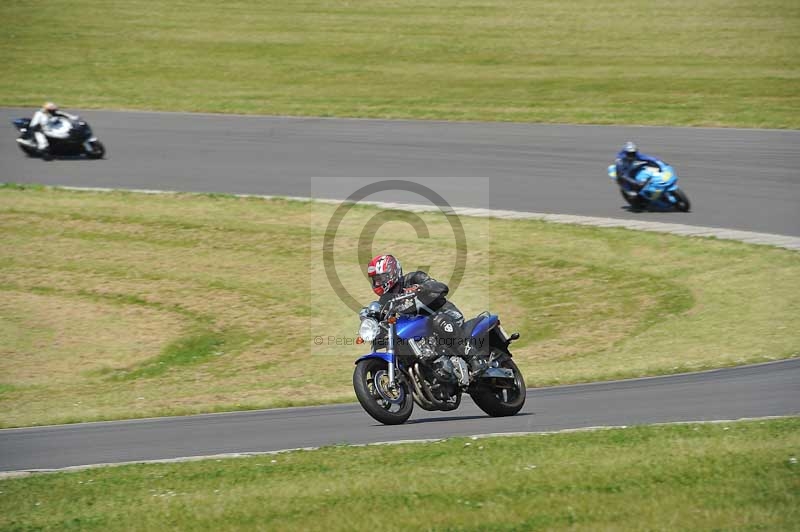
{"x": 409, "y": 295}
{"x": 386, "y": 307}
{"x": 402, "y": 297}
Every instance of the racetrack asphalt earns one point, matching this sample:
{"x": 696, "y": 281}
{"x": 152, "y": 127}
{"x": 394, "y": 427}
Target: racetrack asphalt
{"x": 771, "y": 389}
{"x": 737, "y": 179}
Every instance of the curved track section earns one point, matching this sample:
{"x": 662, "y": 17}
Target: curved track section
{"x": 531, "y": 168}
{"x": 737, "y": 179}
{"x": 750, "y": 391}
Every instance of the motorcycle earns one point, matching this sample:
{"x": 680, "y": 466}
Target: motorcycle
{"x": 658, "y": 188}
{"x": 412, "y": 369}
{"x": 74, "y": 138}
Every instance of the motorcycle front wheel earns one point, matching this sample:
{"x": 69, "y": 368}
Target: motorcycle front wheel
{"x": 98, "y": 150}
{"x": 681, "y": 200}
{"x": 387, "y": 404}
{"x": 501, "y": 400}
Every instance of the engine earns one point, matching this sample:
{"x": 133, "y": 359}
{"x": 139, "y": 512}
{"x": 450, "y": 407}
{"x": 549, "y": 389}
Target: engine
{"x": 424, "y": 348}
{"x": 445, "y": 368}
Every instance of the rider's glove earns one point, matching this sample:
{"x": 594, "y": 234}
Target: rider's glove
{"x": 413, "y": 288}
{"x": 407, "y": 307}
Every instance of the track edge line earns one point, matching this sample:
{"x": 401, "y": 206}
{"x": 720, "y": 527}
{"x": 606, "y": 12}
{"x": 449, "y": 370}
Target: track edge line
{"x": 224, "y": 456}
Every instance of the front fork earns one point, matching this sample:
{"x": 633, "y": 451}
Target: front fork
{"x": 88, "y": 144}
{"x": 392, "y": 359}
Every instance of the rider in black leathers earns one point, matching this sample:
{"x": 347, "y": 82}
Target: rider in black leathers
{"x": 388, "y": 282}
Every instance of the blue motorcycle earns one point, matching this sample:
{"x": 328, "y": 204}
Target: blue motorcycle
{"x": 657, "y": 188}
{"x": 408, "y": 366}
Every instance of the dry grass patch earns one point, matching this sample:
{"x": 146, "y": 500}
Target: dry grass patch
{"x": 53, "y": 339}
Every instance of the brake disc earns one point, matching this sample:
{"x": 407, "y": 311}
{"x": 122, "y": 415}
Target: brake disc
{"x": 393, "y": 394}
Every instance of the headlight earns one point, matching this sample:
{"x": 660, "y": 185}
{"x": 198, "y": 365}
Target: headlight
{"x": 369, "y": 330}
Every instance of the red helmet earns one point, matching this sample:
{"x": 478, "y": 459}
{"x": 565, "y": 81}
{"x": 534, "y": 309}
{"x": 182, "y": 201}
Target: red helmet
{"x": 384, "y": 271}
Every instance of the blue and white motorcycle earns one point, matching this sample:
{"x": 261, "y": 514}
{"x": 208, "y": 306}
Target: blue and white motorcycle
{"x": 407, "y": 366}
{"x": 657, "y": 188}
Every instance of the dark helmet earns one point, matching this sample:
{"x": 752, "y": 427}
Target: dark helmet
{"x": 384, "y": 271}
{"x": 630, "y": 150}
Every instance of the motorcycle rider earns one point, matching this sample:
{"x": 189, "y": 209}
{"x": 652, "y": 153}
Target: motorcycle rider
{"x": 630, "y": 161}
{"x": 45, "y": 123}
{"x": 386, "y": 274}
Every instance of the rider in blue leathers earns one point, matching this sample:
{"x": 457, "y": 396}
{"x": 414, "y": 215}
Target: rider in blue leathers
{"x": 630, "y": 161}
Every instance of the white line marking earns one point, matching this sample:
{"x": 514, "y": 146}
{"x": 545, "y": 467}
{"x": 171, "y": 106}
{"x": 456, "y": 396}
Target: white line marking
{"x": 225, "y": 456}
{"x": 749, "y": 237}
{"x": 67, "y": 426}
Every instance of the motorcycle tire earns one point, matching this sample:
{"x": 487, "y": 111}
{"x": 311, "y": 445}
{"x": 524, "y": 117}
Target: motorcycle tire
{"x": 681, "y": 200}
{"x": 369, "y": 375}
{"x": 27, "y": 150}
{"x": 98, "y": 150}
{"x": 636, "y": 202}
{"x": 494, "y": 402}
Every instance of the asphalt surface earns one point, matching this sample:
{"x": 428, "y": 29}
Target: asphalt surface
{"x": 749, "y": 391}
{"x": 736, "y": 179}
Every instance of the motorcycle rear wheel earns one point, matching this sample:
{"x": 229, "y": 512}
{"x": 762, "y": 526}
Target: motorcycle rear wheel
{"x": 27, "y": 150}
{"x": 384, "y": 404}
{"x": 637, "y": 202}
{"x": 500, "y": 402}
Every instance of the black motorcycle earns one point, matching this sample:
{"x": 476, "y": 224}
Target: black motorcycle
{"x": 75, "y": 139}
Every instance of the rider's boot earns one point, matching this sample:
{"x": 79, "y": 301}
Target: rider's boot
{"x": 43, "y": 145}
{"x": 27, "y": 142}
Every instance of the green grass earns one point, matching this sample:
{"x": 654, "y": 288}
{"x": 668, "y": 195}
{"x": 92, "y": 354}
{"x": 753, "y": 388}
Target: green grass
{"x": 119, "y": 305}
{"x": 712, "y": 63}
{"x": 731, "y": 476}
{"x": 188, "y": 350}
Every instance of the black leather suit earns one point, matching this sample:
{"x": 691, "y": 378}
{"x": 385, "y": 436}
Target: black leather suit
{"x": 432, "y": 301}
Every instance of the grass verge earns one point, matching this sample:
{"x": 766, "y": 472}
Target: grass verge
{"x": 119, "y": 305}
{"x": 729, "y": 476}
{"x": 712, "y": 63}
